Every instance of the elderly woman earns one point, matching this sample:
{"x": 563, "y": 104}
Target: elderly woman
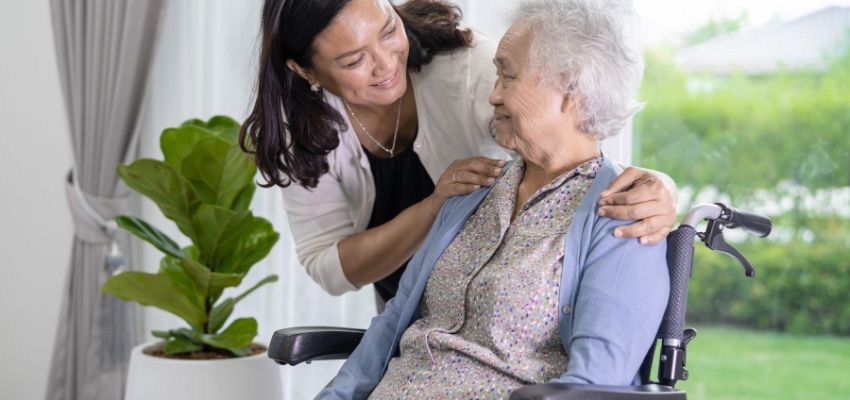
{"x": 523, "y": 282}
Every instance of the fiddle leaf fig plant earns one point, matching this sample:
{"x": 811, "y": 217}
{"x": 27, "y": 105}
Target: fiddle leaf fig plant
{"x": 204, "y": 185}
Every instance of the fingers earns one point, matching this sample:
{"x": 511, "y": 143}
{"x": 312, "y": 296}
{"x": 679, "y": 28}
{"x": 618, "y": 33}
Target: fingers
{"x": 483, "y": 166}
{"x": 637, "y": 211}
{"x": 654, "y": 220}
{"x": 472, "y": 178}
{"x": 468, "y": 175}
{"x": 458, "y": 189}
{"x": 625, "y": 180}
{"x": 649, "y": 231}
{"x": 643, "y": 192}
{"x": 475, "y": 171}
{"x": 655, "y": 237}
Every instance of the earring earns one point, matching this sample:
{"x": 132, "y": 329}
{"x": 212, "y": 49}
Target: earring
{"x": 315, "y": 87}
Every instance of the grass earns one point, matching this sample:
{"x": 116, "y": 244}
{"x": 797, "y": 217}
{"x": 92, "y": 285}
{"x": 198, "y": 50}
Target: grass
{"x": 729, "y": 363}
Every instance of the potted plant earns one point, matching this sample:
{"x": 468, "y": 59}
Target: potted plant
{"x": 204, "y": 185}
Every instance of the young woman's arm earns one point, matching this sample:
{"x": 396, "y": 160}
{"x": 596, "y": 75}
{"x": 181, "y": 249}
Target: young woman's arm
{"x": 373, "y": 254}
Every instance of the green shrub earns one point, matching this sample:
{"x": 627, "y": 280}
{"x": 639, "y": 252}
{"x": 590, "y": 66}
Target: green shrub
{"x": 799, "y": 287}
{"x": 744, "y": 134}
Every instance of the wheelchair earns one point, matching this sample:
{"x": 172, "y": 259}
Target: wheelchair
{"x": 292, "y": 346}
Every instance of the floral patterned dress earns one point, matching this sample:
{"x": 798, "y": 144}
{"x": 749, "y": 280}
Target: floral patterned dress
{"x": 490, "y": 315}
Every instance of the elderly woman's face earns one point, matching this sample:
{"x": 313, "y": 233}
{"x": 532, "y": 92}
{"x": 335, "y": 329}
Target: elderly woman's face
{"x": 527, "y": 115}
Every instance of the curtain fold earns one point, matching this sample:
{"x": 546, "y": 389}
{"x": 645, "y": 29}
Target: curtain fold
{"x": 104, "y": 50}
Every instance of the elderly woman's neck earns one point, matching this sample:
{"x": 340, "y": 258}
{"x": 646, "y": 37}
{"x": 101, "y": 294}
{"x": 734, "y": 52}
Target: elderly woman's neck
{"x": 540, "y": 172}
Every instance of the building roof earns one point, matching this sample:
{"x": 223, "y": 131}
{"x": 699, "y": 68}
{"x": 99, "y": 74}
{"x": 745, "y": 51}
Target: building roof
{"x": 801, "y": 44}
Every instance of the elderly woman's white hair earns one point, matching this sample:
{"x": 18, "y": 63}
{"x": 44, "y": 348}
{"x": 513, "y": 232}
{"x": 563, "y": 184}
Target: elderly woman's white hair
{"x": 587, "y": 48}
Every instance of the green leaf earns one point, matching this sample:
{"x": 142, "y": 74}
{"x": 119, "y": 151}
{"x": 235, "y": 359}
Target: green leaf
{"x": 220, "y": 125}
{"x": 220, "y": 281}
{"x": 193, "y": 252}
{"x": 161, "y": 334}
{"x": 268, "y": 279}
{"x": 157, "y": 290}
{"x": 239, "y": 334}
{"x": 198, "y": 274}
{"x": 220, "y": 314}
{"x": 225, "y": 127}
{"x": 222, "y": 311}
{"x": 177, "y": 143}
{"x": 252, "y": 247}
{"x": 219, "y": 233}
{"x": 241, "y": 352}
{"x": 182, "y": 340}
{"x": 243, "y": 198}
{"x": 187, "y": 334}
{"x": 160, "y": 182}
{"x": 172, "y": 267}
{"x": 196, "y": 280}
{"x": 148, "y": 233}
{"x": 219, "y": 172}
{"x": 177, "y": 345}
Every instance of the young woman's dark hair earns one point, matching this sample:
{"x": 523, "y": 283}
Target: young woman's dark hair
{"x": 291, "y": 129}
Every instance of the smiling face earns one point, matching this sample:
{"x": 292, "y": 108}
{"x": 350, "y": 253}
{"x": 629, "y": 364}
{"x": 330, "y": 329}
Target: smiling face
{"x": 530, "y": 118}
{"x": 362, "y": 55}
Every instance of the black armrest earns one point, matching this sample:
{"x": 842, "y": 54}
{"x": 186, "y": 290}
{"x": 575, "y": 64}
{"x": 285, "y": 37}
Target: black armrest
{"x": 307, "y": 343}
{"x": 566, "y": 391}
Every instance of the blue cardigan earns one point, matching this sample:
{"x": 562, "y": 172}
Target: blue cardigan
{"x": 613, "y": 295}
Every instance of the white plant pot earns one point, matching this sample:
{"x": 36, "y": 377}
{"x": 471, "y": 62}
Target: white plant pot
{"x": 252, "y": 377}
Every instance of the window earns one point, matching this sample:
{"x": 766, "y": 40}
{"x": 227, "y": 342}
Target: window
{"x": 749, "y": 103}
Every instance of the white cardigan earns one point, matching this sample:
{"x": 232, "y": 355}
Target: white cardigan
{"x": 454, "y": 123}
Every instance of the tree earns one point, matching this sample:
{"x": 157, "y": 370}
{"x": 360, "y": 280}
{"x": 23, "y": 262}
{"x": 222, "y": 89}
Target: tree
{"x": 715, "y": 27}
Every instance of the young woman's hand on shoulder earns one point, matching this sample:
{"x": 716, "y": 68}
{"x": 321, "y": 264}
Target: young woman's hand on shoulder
{"x": 465, "y": 176}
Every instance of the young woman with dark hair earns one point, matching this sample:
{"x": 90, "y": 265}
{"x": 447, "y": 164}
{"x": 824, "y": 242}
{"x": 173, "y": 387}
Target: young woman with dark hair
{"x": 370, "y": 116}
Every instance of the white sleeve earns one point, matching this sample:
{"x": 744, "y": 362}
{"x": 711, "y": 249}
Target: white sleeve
{"x": 319, "y": 219}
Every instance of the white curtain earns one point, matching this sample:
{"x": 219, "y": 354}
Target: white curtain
{"x": 205, "y": 66}
{"x": 103, "y": 49}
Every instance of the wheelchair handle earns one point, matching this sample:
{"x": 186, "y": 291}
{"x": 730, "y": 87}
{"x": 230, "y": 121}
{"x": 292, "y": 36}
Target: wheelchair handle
{"x": 751, "y": 222}
{"x": 729, "y": 217}
{"x": 680, "y": 254}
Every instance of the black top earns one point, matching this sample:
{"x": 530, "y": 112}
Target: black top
{"x": 400, "y": 182}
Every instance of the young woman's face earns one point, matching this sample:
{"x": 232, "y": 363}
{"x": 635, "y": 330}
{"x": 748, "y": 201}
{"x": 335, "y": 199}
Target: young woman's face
{"x": 362, "y": 55}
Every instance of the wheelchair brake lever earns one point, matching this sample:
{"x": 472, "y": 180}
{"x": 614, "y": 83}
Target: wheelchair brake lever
{"x": 714, "y": 240}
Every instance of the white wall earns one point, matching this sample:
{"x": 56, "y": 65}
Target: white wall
{"x": 35, "y": 228}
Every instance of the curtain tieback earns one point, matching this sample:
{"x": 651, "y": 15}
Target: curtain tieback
{"x": 94, "y": 221}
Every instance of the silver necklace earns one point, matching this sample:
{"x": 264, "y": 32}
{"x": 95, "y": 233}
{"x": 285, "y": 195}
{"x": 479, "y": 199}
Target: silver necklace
{"x": 391, "y": 150}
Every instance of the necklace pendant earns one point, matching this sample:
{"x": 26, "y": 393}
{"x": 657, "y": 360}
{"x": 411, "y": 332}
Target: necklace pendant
{"x": 391, "y": 150}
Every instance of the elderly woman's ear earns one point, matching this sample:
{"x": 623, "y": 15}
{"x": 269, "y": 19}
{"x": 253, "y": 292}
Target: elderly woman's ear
{"x": 569, "y": 105}
{"x": 646, "y": 196}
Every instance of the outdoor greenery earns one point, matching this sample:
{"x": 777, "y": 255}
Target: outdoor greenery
{"x": 715, "y": 27}
{"x": 733, "y": 364}
{"x": 778, "y": 144}
{"x": 799, "y": 287}
{"x": 205, "y": 185}
{"x": 741, "y": 133}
